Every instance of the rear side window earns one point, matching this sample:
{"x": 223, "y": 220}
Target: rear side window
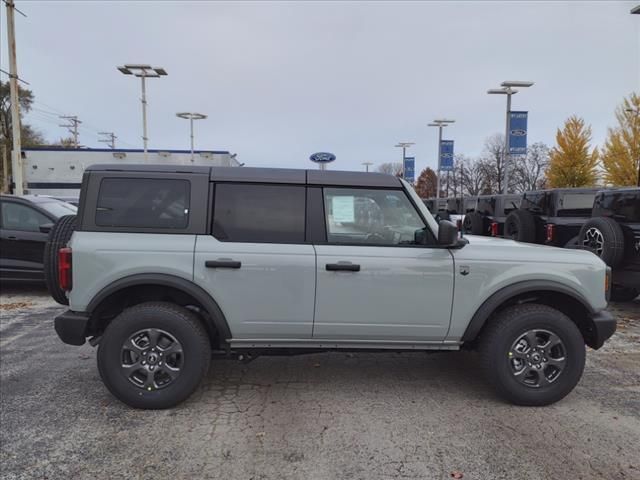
{"x": 259, "y": 213}
{"x": 143, "y": 203}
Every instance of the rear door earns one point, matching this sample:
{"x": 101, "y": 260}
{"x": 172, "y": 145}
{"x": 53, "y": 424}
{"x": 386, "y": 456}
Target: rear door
{"x": 375, "y": 283}
{"x": 256, "y": 263}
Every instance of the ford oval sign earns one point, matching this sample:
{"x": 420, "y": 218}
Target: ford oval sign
{"x": 322, "y": 157}
{"x": 518, "y": 133}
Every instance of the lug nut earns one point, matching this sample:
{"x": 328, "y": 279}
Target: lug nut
{"x": 144, "y": 363}
{"x": 151, "y": 367}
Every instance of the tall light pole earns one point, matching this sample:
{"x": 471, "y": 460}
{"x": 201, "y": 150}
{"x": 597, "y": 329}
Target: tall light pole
{"x": 508, "y": 90}
{"x": 143, "y": 72}
{"x": 191, "y": 116}
{"x": 440, "y": 123}
{"x": 367, "y": 165}
{"x": 404, "y": 146}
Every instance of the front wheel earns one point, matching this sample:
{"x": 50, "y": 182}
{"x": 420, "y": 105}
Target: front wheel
{"x": 154, "y": 355}
{"x": 532, "y": 354}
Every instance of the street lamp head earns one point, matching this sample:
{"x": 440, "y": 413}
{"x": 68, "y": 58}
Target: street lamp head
{"x": 516, "y": 83}
{"x": 405, "y": 144}
{"x": 125, "y": 70}
{"x": 142, "y": 70}
{"x": 500, "y": 91}
{"x": 444, "y": 120}
{"x": 192, "y": 116}
{"x": 137, "y": 66}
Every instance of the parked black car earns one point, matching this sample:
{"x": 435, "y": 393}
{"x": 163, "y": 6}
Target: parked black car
{"x": 25, "y": 223}
{"x": 550, "y": 217}
{"x": 614, "y": 235}
{"x": 489, "y": 214}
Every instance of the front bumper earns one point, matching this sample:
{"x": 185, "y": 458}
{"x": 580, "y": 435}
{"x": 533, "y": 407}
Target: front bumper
{"x": 604, "y": 325}
{"x": 71, "y": 327}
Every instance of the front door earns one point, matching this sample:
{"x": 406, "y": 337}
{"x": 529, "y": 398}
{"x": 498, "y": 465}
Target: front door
{"x": 21, "y": 241}
{"x": 376, "y": 280}
{"x": 256, "y": 264}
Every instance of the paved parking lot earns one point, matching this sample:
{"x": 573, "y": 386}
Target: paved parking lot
{"x": 326, "y": 416}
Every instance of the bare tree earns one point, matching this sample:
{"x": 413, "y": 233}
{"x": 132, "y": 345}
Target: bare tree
{"x": 492, "y": 162}
{"x": 391, "y": 168}
{"x": 474, "y": 178}
{"x": 453, "y": 182}
{"x": 529, "y": 169}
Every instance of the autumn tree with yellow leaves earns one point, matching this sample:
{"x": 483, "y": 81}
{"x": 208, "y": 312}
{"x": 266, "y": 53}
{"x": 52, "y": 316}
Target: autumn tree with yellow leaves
{"x": 572, "y": 162}
{"x": 621, "y": 150}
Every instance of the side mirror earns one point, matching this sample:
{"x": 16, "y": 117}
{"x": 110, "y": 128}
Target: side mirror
{"x": 447, "y": 233}
{"x": 46, "y": 228}
{"x": 420, "y": 236}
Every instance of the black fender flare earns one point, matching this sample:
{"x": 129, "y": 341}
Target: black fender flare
{"x": 498, "y": 298}
{"x": 162, "y": 279}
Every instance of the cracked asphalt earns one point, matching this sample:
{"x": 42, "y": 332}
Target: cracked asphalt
{"x": 324, "y": 416}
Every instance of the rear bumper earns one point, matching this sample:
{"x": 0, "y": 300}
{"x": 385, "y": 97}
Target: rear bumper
{"x": 71, "y": 327}
{"x": 604, "y": 325}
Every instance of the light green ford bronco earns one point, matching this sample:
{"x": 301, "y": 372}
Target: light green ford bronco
{"x": 165, "y": 267}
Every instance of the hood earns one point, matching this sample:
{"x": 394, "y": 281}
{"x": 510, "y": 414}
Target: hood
{"x": 500, "y": 249}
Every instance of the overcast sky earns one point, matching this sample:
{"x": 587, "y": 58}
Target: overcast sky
{"x": 281, "y": 80}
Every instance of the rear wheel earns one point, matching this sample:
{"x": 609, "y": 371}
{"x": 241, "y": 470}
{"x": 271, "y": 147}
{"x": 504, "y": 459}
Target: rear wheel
{"x": 532, "y": 354}
{"x": 604, "y": 237}
{"x": 58, "y": 238}
{"x": 521, "y": 226}
{"x": 154, "y": 355}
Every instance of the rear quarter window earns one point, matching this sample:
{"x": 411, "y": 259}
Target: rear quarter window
{"x": 143, "y": 203}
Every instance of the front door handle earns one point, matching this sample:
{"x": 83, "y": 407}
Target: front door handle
{"x": 342, "y": 267}
{"x": 222, "y": 264}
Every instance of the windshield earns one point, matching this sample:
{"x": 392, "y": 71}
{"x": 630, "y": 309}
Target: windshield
{"x": 59, "y": 209}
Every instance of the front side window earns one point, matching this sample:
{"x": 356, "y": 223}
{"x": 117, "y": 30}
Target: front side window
{"x": 371, "y": 217}
{"x": 20, "y": 217}
{"x": 143, "y": 203}
{"x": 255, "y": 213}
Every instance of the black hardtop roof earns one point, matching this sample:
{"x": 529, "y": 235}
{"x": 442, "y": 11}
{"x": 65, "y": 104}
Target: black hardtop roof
{"x": 564, "y": 190}
{"x": 31, "y": 198}
{"x": 263, "y": 175}
{"x": 619, "y": 190}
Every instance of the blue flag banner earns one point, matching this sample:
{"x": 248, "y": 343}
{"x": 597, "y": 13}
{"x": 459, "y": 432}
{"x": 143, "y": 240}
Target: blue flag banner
{"x": 446, "y": 155}
{"x": 518, "y": 133}
{"x": 410, "y": 169}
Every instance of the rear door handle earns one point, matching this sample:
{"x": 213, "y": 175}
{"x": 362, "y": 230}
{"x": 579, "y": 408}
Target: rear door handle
{"x": 342, "y": 267}
{"x": 222, "y": 264}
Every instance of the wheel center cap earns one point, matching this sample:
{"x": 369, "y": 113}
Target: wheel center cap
{"x": 536, "y": 358}
{"x": 152, "y": 358}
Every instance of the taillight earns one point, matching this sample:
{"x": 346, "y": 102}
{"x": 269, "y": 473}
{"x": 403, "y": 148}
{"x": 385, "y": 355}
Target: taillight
{"x": 551, "y": 230}
{"x": 494, "y": 229}
{"x": 64, "y": 269}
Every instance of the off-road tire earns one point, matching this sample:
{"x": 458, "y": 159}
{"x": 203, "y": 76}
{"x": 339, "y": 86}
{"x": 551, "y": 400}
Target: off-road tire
{"x": 611, "y": 251}
{"x": 497, "y": 339}
{"x": 59, "y": 236}
{"x": 520, "y": 225}
{"x": 475, "y": 224}
{"x": 175, "y": 320}
{"x": 623, "y": 294}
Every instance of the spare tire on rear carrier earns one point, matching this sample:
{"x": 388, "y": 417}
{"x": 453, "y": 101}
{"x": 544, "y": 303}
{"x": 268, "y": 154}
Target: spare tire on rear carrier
{"x": 520, "y": 225}
{"x": 58, "y": 238}
{"x": 475, "y": 224}
{"x": 604, "y": 237}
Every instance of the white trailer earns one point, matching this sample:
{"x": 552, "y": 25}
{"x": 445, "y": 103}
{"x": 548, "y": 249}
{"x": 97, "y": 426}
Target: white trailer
{"x": 58, "y": 171}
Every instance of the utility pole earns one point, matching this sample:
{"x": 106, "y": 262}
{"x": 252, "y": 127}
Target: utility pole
{"x": 16, "y": 155}
{"x": 111, "y": 139}
{"x": 191, "y": 116}
{"x": 367, "y": 165}
{"x": 143, "y": 72}
{"x": 72, "y": 126}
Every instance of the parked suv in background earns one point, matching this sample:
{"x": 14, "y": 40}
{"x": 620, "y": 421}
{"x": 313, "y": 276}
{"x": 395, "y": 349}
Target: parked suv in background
{"x": 550, "y": 217}
{"x": 490, "y": 213}
{"x": 614, "y": 235}
{"x": 168, "y": 264}
{"x": 25, "y": 222}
